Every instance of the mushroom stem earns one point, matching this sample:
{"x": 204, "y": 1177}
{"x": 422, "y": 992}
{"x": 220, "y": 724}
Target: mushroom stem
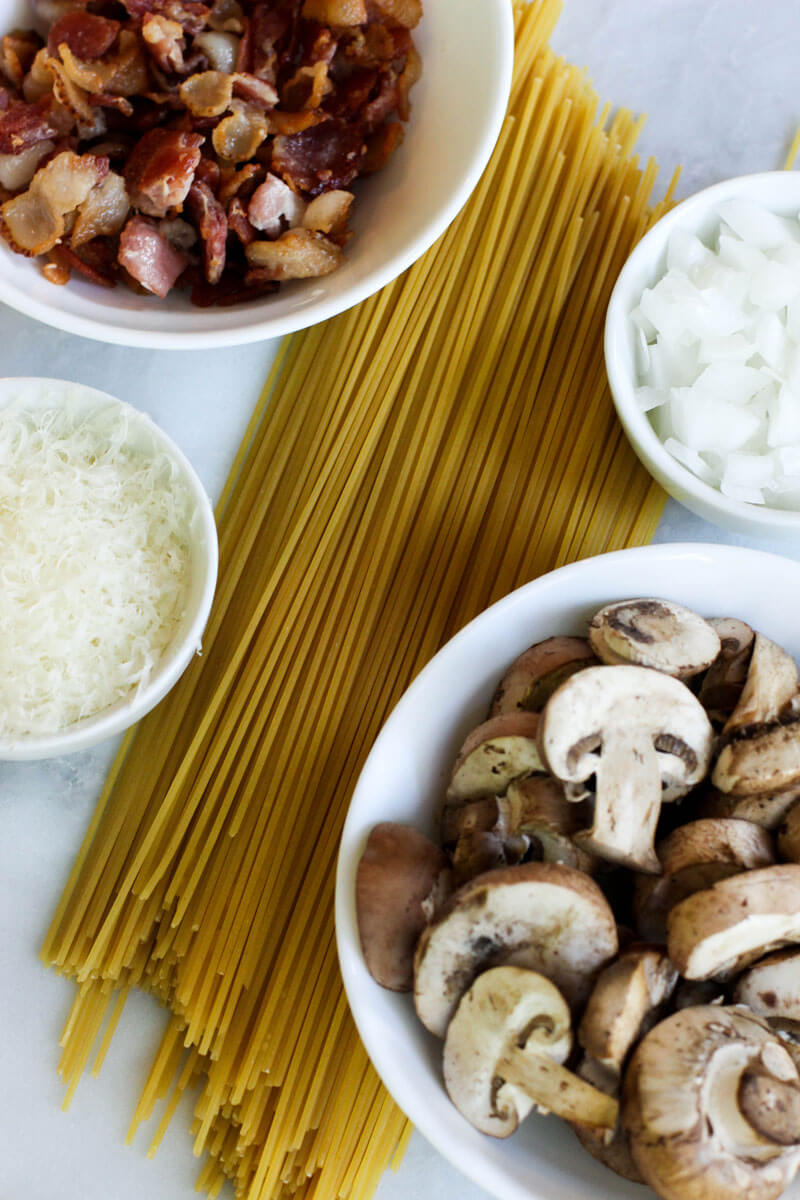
{"x": 628, "y": 799}
{"x": 771, "y": 1106}
{"x": 557, "y": 1090}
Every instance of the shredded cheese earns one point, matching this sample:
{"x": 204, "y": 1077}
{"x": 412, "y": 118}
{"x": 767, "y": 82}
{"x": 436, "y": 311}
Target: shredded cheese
{"x": 95, "y": 523}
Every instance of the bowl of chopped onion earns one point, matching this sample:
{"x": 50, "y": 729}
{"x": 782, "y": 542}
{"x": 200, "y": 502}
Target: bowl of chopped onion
{"x": 702, "y": 347}
{"x": 177, "y": 175}
{"x": 109, "y": 566}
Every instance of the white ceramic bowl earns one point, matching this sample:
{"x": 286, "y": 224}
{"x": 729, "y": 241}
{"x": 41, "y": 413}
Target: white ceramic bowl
{"x": 467, "y": 49}
{"x": 775, "y": 190}
{"x": 405, "y": 776}
{"x": 144, "y": 435}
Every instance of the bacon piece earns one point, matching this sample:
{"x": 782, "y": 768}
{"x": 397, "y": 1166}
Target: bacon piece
{"x": 232, "y": 180}
{"x": 130, "y": 69}
{"x": 87, "y": 35}
{"x": 207, "y": 94}
{"x": 381, "y": 106}
{"x": 191, "y": 16}
{"x": 335, "y": 12}
{"x": 49, "y": 11}
{"x": 324, "y": 157}
{"x": 212, "y": 225}
{"x": 65, "y": 259}
{"x": 238, "y": 136}
{"x": 410, "y": 74}
{"x": 328, "y": 213}
{"x": 69, "y": 94}
{"x": 239, "y": 223}
{"x": 307, "y": 87}
{"x": 256, "y": 91}
{"x": 285, "y": 123}
{"x": 407, "y": 13}
{"x": 230, "y": 290}
{"x": 274, "y": 207}
{"x": 208, "y": 172}
{"x": 226, "y": 16}
{"x": 165, "y": 42}
{"x": 297, "y": 254}
{"x": 221, "y": 49}
{"x": 17, "y": 170}
{"x": 34, "y": 221}
{"x": 17, "y": 51}
{"x": 268, "y": 27}
{"x": 381, "y": 145}
{"x": 103, "y": 212}
{"x": 161, "y": 168}
{"x": 38, "y": 83}
{"x": 149, "y": 257}
{"x": 23, "y": 125}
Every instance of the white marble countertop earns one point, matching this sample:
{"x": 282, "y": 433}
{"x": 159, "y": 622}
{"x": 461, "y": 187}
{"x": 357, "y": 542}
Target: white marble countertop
{"x": 719, "y": 79}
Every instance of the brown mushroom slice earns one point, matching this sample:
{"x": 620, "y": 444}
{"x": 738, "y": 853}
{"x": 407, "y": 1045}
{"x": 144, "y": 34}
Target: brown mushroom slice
{"x": 719, "y": 931}
{"x": 401, "y": 879}
{"x": 771, "y": 683}
{"x": 771, "y": 989}
{"x": 766, "y": 762}
{"x": 503, "y": 1056}
{"x": 723, "y": 681}
{"x": 695, "y": 856}
{"x": 789, "y": 835}
{"x": 654, "y": 633}
{"x": 500, "y": 750}
{"x": 533, "y": 677}
{"x": 536, "y": 809}
{"x": 643, "y": 736}
{"x": 767, "y": 810}
{"x": 625, "y": 994}
{"x": 543, "y": 916}
{"x": 710, "y": 1097}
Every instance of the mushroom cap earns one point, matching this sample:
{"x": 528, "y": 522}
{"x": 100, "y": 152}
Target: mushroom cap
{"x": 507, "y": 1010}
{"x": 767, "y": 809}
{"x": 718, "y": 931}
{"x": 695, "y": 856}
{"x": 771, "y": 988}
{"x": 398, "y": 872}
{"x": 681, "y": 1107}
{"x": 767, "y": 762}
{"x": 789, "y": 835}
{"x": 501, "y": 749}
{"x": 771, "y": 683}
{"x": 579, "y": 715}
{"x": 653, "y": 633}
{"x": 625, "y": 993}
{"x": 533, "y": 677}
{"x": 722, "y": 683}
{"x": 543, "y": 916}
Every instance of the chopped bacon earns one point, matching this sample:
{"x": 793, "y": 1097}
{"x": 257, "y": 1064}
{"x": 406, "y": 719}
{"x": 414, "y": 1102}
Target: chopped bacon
{"x": 324, "y": 157}
{"x": 17, "y": 170}
{"x": 307, "y": 87}
{"x": 208, "y": 172}
{"x": 149, "y": 257}
{"x": 328, "y": 213}
{"x": 238, "y": 222}
{"x": 336, "y": 12}
{"x": 160, "y": 170}
{"x": 381, "y": 146}
{"x": 274, "y": 207}
{"x": 17, "y": 52}
{"x": 238, "y": 136}
{"x": 256, "y": 91}
{"x": 33, "y": 221}
{"x": 297, "y": 254}
{"x": 87, "y": 35}
{"x": 284, "y": 123}
{"x": 221, "y": 49}
{"x": 191, "y": 16}
{"x": 165, "y": 41}
{"x": 407, "y": 13}
{"x": 226, "y": 16}
{"x": 103, "y": 212}
{"x": 23, "y": 125}
{"x": 212, "y": 225}
{"x": 67, "y": 260}
{"x": 383, "y": 104}
{"x": 268, "y": 27}
{"x": 207, "y": 94}
{"x": 232, "y": 181}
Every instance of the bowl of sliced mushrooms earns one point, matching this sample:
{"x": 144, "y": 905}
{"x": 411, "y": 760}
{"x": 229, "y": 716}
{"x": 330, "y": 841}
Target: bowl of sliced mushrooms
{"x": 568, "y": 898}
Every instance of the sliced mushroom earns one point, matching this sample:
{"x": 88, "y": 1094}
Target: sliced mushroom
{"x": 711, "y": 1107}
{"x": 717, "y": 932}
{"x": 654, "y": 633}
{"x": 543, "y": 916}
{"x": 643, "y": 736}
{"x": 695, "y": 856}
{"x": 501, "y": 749}
{"x": 767, "y": 810}
{"x": 402, "y": 878}
{"x": 533, "y": 677}
{"x": 767, "y": 762}
{"x": 771, "y": 989}
{"x": 537, "y": 810}
{"x": 723, "y": 681}
{"x": 789, "y": 835}
{"x": 503, "y": 1056}
{"x": 626, "y": 993}
{"x": 691, "y": 992}
{"x": 771, "y": 683}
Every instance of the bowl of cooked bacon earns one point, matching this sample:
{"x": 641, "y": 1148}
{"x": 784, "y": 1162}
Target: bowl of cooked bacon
{"x": 178, "y": 174}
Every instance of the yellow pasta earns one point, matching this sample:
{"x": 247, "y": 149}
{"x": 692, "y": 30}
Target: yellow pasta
{"x": 409, "y": 462}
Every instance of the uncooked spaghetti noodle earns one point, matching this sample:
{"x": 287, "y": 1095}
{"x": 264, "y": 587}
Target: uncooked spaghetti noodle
{"x": 410, "y": 461}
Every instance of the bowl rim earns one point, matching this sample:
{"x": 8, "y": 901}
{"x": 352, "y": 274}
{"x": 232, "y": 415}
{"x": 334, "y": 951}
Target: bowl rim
{"x": 306, "y": 316}
{"x": 119, "y": 717}
{"x": 670, "y": 473}
{"x": 393, "y": 1072}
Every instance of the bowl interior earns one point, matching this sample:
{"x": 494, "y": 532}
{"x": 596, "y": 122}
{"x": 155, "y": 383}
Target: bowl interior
{"x": 144, "y": 436}
{"x": 457, "y": 108}
{"x": 775, "y": 190}
{"x": 404, "y": 778}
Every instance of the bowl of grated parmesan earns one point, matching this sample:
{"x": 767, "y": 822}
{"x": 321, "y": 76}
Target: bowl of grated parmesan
{"x": 109, "y": 566}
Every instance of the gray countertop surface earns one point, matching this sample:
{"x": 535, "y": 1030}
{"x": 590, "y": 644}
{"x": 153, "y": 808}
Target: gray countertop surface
{"x": 719, "y": 80}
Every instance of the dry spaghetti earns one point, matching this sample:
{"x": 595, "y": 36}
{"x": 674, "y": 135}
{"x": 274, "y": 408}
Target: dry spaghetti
{"x": 409, "y": 462}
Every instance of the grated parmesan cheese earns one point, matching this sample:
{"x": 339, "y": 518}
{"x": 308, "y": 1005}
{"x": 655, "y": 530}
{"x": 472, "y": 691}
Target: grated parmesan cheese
{"x": 95, "y": 523}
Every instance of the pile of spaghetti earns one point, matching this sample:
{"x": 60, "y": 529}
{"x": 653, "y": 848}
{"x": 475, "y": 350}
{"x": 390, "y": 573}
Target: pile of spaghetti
{"x": 410, "y": 462}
